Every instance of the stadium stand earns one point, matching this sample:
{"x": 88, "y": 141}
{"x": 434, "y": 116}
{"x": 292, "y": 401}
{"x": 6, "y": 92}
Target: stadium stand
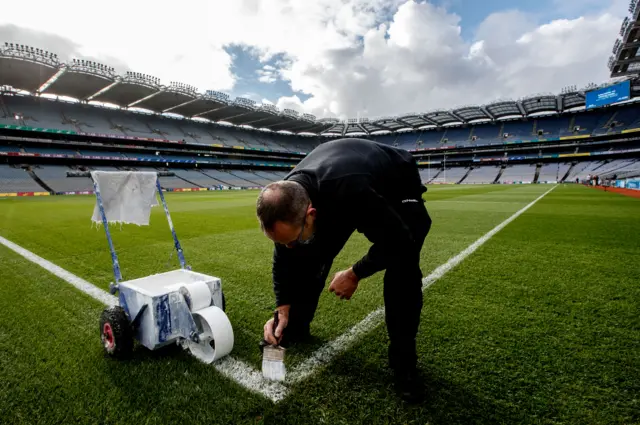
{"x": 482, "y": 175}
{"x": 629, "y": 170}
{"x": 427, "y": 175}
{"x": 486, "y": 133}
{"x": 553, "y": 172}
{"x": 456, "y": 135}
{"x": 209, "y": 140}
{"x": 196, "y": 178}
{"x": 582, "y": 170}
{"x": 55, "y": 176}
{"x": 15, "y": 179}
{"x": 524, "y": 173}
{"x": 429, "y": 139}
{"x": 452, "y": 174}
{"x": 226, "y": 178}
{"x": 250, "y": 178}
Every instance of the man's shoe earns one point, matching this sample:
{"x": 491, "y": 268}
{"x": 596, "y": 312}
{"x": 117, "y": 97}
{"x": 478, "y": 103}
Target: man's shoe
{"x": 409, "y": 386}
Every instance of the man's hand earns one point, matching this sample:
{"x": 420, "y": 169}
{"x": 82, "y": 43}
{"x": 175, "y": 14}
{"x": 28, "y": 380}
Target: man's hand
{"x": 283, "y": 321}
{"x": 344, "y": 284}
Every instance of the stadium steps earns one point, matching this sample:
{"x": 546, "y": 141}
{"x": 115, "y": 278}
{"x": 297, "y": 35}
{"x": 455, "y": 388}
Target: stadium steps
{"x": 536, "y": 175}
{"x": 501, "y": 132}
{"x": 572, "y": 123}
{"x": 216, "y": 179}
{"x": 573, "y": 164}
{"x": 534, "y": 132}
{"x": 465, "y": 176}
{"x": 436, "y": 175}
{"x": 499, "y": 172}
{"x": 186, "y": 180}
{"x": 611, "y": 121}
{"x": 4, "y": 110}
{"x": 38, "y": 180}
{"x": 262, "y": 176}
{"x": 444, "y": 136}
{"x": 66, "y": 120}
{"x": 242, "y": 178}
{"x": 219, "y": 139}
{"x": 270, "y": 144}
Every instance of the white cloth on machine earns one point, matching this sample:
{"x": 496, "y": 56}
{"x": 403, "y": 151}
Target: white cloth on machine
{"x": 127, "y": 196}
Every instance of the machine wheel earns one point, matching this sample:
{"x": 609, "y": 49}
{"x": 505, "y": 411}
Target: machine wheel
{"x": 116, "y": 332}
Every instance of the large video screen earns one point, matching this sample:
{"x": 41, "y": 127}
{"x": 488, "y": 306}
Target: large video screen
{"x": 609, "y": 95}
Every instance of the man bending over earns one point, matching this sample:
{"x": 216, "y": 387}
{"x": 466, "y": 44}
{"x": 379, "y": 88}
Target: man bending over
{"x": 340, "y": 187}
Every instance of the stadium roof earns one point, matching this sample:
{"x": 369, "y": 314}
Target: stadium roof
{"x": 540, "y": 103}
{"x": 25, "y": 67}
{"x": 625, "y": 58}
{"x": 79, "y": 80}
{"x": 38, "y": 71}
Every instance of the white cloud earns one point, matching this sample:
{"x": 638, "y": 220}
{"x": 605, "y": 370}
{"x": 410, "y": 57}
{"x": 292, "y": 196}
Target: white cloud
{"x": 366, "y": 57}
{"x": 167, "y": 41}
{"x": 420, "y": 62}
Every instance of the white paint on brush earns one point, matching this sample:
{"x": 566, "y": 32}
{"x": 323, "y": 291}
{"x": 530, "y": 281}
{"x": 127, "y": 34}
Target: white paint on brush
{"x": 330, "y": 350}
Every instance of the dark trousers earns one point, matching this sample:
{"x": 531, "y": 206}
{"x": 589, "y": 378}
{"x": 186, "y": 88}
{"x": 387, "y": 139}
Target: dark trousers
{"x": 402, "y": 291}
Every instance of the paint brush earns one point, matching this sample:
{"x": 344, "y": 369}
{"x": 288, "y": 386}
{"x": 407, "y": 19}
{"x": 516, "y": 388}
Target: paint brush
{"x": 273, "y": 357}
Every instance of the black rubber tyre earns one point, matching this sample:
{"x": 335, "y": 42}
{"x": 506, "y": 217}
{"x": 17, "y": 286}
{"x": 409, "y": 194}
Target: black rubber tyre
{"x": 116, "y": 333}
{"x": 224, "y": 303}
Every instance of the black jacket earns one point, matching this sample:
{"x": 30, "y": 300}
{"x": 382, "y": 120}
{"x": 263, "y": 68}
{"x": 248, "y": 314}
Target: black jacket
{"x": 354, "y": 184}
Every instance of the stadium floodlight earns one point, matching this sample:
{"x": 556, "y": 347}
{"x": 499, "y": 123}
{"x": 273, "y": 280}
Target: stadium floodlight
{"x": 624, "y": 25}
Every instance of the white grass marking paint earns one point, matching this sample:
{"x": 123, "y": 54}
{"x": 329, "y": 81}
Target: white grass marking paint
{"x": 251, "y": 378}
{"x": 79, "y": 283}
{"x": 233, "y": 369}
{"x": 325, "y": 354}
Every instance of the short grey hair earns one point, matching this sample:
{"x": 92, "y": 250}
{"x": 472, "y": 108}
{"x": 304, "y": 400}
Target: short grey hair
{"x": 284, "y": 201}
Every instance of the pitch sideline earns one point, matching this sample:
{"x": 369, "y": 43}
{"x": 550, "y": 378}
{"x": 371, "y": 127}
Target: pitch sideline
{"x": 246, "y": 375}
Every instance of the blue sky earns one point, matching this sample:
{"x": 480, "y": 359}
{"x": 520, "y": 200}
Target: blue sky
{"x": 245, "y": 65}
{"x": 473, "y": 12}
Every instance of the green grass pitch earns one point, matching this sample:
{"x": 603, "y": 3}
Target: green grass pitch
{"x": 540, "y": 325}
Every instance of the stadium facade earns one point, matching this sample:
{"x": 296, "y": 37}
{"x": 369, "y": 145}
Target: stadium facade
{"x": 208, "y": 141}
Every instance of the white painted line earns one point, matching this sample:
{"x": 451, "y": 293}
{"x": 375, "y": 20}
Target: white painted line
{"x": 251, "y": 378}
{"x": 232, "y": 368}
{"x": 79, "y": 283}
{"x": 330, "y": 350}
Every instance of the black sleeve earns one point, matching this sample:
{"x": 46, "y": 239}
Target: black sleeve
{"x": 285, "y": 269}
{"x": 382, "y": 226}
